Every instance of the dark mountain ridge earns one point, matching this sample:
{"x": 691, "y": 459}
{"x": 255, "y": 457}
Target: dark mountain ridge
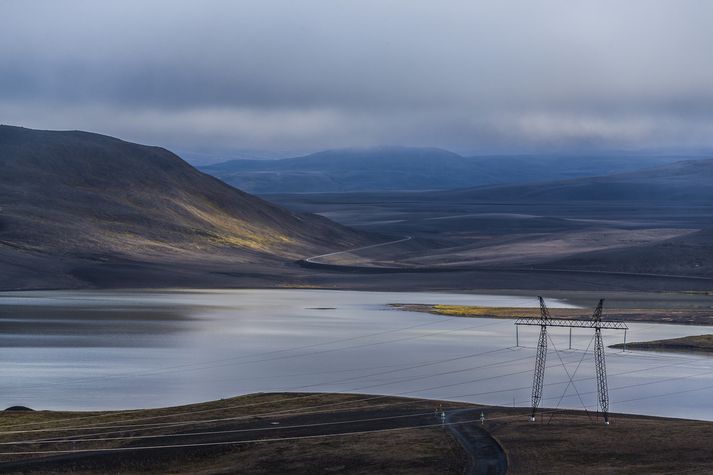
{"x": 78, "y": 195}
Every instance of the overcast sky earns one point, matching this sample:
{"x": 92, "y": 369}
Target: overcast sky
{"x": 497, "y": 76}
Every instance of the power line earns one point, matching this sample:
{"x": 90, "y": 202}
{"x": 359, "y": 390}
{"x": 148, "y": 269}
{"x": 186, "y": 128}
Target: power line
{"x": 153, "y": 426}
{"x": 275, "y": 439}
{"x": 237, "y": 359}
{"x": 571, "y": 381}
{"x": 281, "y": 412}
{"x": 289, "y": 427}
{"x": 252, "y": 441}
{"x": 279, "y": 400}
{"x": 284, "y": 412}
{"x": 360, "y": 377}
{"x": 216, "y": 432}
{"x": 569, "y": 377}
{"x": 94, "y": 427}
{"x": 341, "y": 349}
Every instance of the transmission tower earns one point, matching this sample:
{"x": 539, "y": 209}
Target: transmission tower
{"x": 544, "y": 321}
{"x": 600, "y": 363}
{"x": 540, "y": 359}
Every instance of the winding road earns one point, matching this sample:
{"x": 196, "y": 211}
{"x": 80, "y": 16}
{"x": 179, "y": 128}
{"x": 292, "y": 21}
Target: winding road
{"x": 485, "y": 455}
{"x": 313, "y": 258}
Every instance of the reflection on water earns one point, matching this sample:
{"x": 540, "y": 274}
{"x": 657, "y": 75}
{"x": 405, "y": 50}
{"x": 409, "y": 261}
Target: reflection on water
{"x": 107, "y": 350}
{"x": 94, "y": 324}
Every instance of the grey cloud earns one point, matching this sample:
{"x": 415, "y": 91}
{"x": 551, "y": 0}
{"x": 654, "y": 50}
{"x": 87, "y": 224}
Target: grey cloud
{"x": 308, "y": 74}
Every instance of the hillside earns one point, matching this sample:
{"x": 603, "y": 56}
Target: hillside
{"x": 676, "y": 195}
{"x": 690, "y": 254}
{"x": 68, "y": 197}
{"x": 406, "y": 168}
{"x": 688, "y": 180}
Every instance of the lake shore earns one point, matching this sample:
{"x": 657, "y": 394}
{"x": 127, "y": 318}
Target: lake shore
{"x": 687, "y": 344}
{"x": 640, "y": 315}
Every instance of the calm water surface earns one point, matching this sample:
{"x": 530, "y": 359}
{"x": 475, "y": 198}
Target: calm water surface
{"x": 110, "y": 350}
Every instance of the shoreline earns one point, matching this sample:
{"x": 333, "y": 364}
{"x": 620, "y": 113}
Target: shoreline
{"x": 634, "y": 315}
{"x": 697, "y": 344}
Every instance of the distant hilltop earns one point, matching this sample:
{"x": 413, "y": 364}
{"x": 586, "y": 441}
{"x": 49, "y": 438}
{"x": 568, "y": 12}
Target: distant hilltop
{"x": 414, "y": 169}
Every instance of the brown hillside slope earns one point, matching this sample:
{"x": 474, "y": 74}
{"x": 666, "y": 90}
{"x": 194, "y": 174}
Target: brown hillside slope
{"x": 77, "y": 195}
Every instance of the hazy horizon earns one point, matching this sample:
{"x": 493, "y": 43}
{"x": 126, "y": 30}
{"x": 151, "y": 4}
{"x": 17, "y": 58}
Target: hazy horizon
{"x": 287, "y": 77}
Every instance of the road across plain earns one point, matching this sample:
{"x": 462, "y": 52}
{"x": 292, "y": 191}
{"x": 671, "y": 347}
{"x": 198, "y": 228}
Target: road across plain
{"x": 311, "y": 262}
{"x": 486, "y": 456}
{"x": 372, "y": 246}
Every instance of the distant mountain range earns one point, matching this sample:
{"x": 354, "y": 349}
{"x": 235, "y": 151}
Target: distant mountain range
{"x": 404, "y": 168}
{"x": 688, "y": 180}
{"x": 68, "y": 199}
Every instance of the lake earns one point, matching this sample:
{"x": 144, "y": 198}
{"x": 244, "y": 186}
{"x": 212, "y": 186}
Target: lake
{"x": 83, "y": 350}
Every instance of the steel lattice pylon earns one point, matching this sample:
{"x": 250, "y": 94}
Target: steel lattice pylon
{"x": 600, "y": 363}
{"x": 540, "y": 360}
{"x": 596, "y": 322}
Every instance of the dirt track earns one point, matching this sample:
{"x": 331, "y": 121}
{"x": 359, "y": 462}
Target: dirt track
{"x": 486, "y": 456}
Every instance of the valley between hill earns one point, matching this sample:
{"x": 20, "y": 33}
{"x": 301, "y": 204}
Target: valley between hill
{"x": 81, "y": 210}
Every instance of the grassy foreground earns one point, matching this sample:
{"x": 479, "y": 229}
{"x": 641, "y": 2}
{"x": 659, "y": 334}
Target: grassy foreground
{"x": 240, "y": 435}
{"x": 571, "y": 443}
{"x": 391, "y": 442}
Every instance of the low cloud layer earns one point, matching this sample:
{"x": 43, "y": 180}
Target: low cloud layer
{"x": 495, "y": 76}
